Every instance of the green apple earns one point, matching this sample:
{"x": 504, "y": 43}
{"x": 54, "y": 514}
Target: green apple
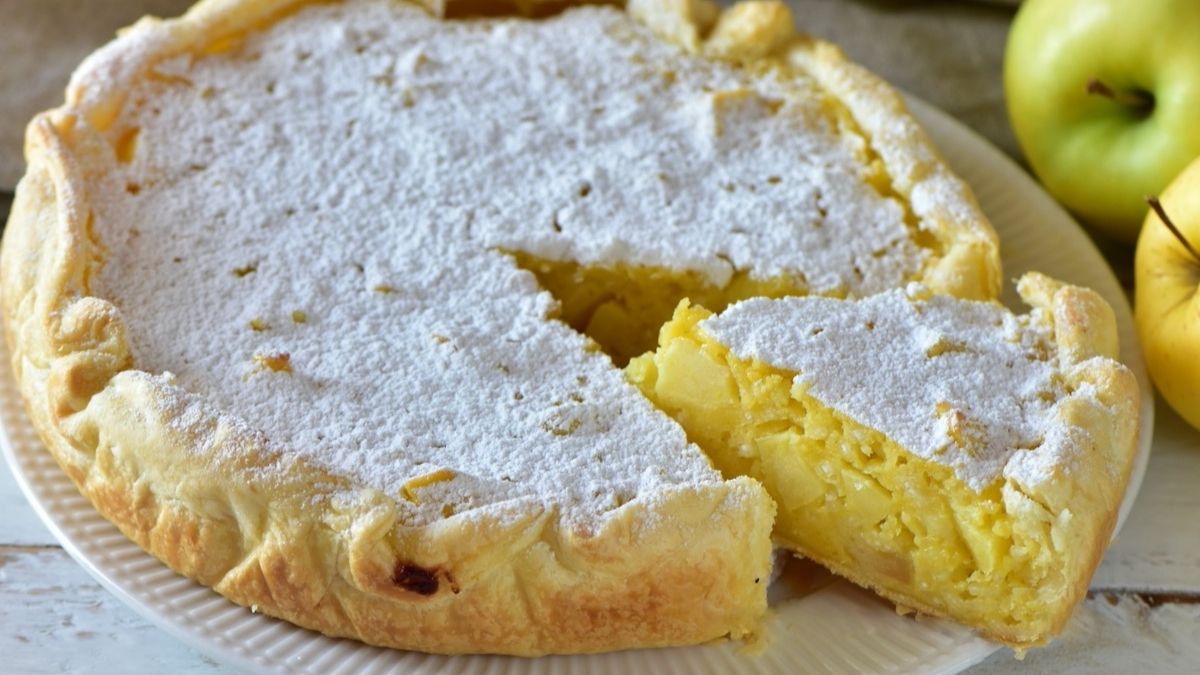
{"x": 1104, "y": 97}
{"x": 1166, "y": 303}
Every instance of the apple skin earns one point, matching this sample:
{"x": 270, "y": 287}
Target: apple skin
{"x": 1167, "y": 297}
{"x": 1100, "y": 157}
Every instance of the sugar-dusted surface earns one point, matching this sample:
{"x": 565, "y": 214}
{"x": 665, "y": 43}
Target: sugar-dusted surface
{"x": 357, "y": 165}
{"x": 968, "y": 384}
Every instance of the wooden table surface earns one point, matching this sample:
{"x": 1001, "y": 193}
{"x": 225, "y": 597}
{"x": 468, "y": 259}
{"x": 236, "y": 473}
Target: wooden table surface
{"x": 1143, "y": 615}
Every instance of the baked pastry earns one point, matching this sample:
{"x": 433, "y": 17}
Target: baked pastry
{"x": 961, "y": 460}
{"x": 267, "y": 290}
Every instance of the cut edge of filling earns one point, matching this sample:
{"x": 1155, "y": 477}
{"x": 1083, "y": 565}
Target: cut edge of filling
{"x": 622, "y": 308}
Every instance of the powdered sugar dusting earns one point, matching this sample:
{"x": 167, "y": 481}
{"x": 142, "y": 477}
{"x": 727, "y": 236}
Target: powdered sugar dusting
{"x": 964, "y": 383}
{"x": 311, "y": 233}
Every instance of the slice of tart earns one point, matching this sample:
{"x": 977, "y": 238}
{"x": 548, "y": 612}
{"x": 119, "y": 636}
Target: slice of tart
{"x": 957, "y": 458}
{"x": 281, "y": 288}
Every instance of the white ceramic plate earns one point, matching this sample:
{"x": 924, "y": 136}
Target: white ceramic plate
{"x": 818, "y": 624}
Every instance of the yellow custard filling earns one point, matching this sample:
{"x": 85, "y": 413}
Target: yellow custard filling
{"x": 623, "y": 307}
{"x": 851, "y": 498}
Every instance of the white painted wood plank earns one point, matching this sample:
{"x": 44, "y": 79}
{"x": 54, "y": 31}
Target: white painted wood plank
{"x": 55, "y": 619}
{"x": 1120, "y": 634}
{"x": 1158, "y": 550}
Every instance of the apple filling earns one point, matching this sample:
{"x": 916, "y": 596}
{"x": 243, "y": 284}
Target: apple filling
{"x": 623, "y": 307}
{"x": 848, "y": 496}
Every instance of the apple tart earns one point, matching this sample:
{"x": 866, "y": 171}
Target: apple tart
{"x": 319, "y": 302}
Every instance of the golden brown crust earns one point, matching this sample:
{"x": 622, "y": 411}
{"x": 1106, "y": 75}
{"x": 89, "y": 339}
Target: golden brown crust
{"x": 1091, "y": 487}
{"x": 687, "y": 565}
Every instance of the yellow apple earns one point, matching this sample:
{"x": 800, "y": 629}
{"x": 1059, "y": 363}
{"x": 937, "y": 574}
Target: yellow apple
{"x": 1167, "y": 300}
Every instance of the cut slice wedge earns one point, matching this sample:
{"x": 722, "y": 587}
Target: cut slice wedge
{"x": 958, "y": 459}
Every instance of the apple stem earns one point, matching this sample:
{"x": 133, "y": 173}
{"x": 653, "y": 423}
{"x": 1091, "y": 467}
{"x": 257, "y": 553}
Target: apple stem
{"x": 1166, "y": 220}
{"x": 1137, "y": 99}
{"x": 1095, "y": 86}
